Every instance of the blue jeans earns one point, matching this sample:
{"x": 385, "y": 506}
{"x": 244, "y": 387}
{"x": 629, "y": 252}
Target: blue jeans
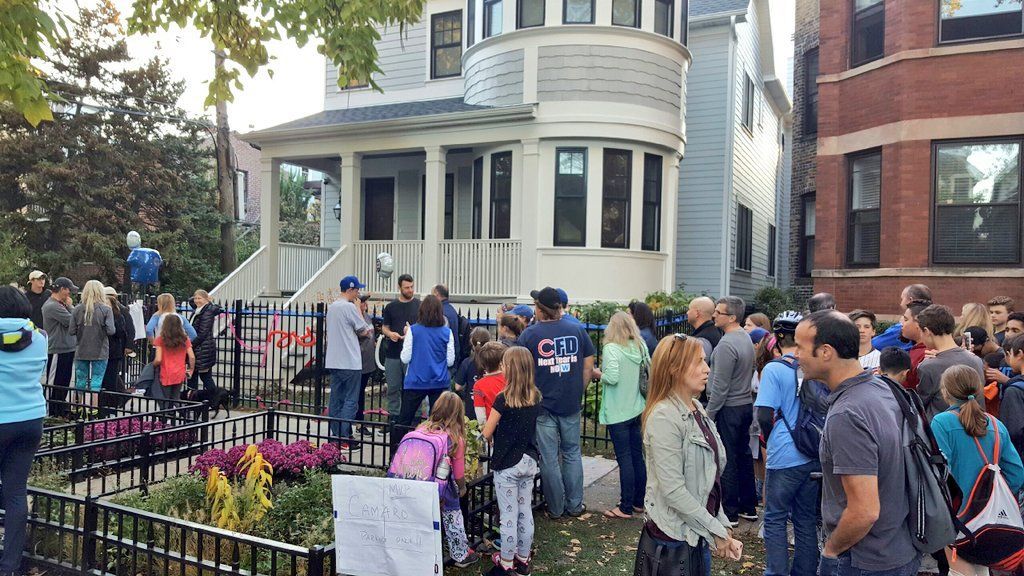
{"x": 843, "y": 566}
{"x": 18, "y": 443}
{"x": 394, "y": 373}
{"x": 790, "y": 493}
{"x": 561, "y": 464}
{"x": 629, "y": 453}
{"x": 344, "y": 401}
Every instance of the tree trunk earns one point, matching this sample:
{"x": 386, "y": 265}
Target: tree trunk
{"x": 225, "y": 181}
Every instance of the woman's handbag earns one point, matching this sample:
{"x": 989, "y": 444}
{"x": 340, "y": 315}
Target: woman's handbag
{"x": 659, "y": 558}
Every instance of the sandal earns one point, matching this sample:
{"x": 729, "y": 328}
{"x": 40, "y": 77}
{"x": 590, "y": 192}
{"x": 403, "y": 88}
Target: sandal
{"x": 616, "y": 514}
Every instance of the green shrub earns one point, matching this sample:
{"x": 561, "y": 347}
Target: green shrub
{"x": 302, "y": 512}
{"x": 181, "y": 497}
{"x": 677, "y": 301}
{"x": 772, "y": 301}
{"x": 597, "y": 312}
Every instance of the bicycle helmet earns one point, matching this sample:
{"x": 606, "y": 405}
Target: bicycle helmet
{"x": 785, "y": 323}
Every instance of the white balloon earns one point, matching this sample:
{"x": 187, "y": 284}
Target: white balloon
{"x": 134, "y": 240}
{"x": 385, "y": 265}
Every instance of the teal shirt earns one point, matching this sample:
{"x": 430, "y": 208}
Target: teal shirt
{"x": 620, "y": 382}
{"x": 962, "y": 453}
{"x": 19, "y": 374}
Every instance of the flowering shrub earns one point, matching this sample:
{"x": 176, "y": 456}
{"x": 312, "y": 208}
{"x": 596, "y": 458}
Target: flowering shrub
{"x": 123, "y": 427}
{"x": 289, "y": 460}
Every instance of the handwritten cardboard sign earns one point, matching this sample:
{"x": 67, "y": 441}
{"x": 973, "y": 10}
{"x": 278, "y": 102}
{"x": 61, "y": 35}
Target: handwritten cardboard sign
{"x": 386, "y": 526}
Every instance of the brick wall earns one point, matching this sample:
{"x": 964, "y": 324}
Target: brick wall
{"x": 882, "y": 295}
{"x": 804, "y": 145}
{"x": 247, "y": 158}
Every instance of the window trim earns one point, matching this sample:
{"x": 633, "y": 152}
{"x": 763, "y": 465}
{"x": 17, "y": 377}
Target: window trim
{"x": 470, "y": 23}
{"x": 628, "y": 200}
{"x": 804, "y": 270}
{"x": 486, "y": 32}
{"x": 747, "y": 118}
{"x": 933, "y": 209}
{"x": 435, "y": 47}
{"x": 493, "y": 202}
{"x": 519, "y": 15}
{"x": 637, "y": 13}
{"x": 477, "y": 199}
{"x": 748, "y": 246}
{"x": 773, "y": 256}
{"x": 586, "y": 164}
{"x": 854, "y": 13}
{"x": 938, "y": 31}
{"x": 807, "y": 83}
{"x": 851, "y": 213}
{"x": 654, "y": 206}
{"x": 684, "y": 22}
{"x": 670, "y": 20}
{"x": 565, "y": 5}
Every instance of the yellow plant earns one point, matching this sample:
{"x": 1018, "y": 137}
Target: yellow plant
{"x": 239, "y": 507}
{"x": 220, "y": 497}
{"x": 259, "y": 477}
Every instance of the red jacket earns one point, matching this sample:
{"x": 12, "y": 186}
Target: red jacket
{"x": 916, "y": 357}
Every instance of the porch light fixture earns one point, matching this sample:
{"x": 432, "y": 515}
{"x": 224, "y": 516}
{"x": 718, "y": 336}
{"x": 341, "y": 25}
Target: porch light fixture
{"x": 337, "y": 211}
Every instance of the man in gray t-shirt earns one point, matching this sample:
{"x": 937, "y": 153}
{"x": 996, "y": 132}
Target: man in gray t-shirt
{"x": 344, "y": 359}
{"x": 937, "y": 324}
{"x": 864, "y": 506}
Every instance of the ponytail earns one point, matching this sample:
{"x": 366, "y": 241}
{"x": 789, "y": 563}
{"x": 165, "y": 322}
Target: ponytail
{"x": 963, "y": 384}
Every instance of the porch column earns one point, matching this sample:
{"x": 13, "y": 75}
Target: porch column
{"x": 433, "y": 231}
{"x": 351, "y": 199}
{"x": 669, "y": 217}
{"x": 527, "y": 214}
{"x": 270, "y": 223}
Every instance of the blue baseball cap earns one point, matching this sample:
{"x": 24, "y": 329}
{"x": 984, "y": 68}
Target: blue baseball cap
{"x": 563, "y": 297}
{"x": 757, "y": 334}
{"x": 350, "y": 282}
{"x": 522, "y": 310}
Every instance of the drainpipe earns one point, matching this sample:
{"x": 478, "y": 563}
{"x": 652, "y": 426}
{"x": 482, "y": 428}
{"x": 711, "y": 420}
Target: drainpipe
{"x": 730, "y": 114}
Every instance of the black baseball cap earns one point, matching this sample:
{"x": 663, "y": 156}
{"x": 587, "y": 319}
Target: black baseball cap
{"x": 64, "y": 282}
{"x": 547, "y": 297}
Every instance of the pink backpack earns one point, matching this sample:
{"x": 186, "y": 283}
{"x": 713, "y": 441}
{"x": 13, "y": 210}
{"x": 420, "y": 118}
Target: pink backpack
{"x": 418, "y": 457}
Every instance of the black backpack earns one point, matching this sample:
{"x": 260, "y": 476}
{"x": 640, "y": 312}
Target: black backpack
{"x": 810, "y": 421}
{"x": 465, "y": 348}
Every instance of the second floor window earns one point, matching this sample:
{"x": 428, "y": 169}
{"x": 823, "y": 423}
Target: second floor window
{"x": 626, "y": 13}
{"x": 531, "y": 13}
{"x": 446, "y": 44}
{"x": 811, "y": 92}
{"x": 807, "y": 229}
{"x": 577, "y": 11}
{"x": 748, "y": 102}
{"x": 868, "y": 41}
{"x": 618, "y": 180}
{"x": 864, "y": 237}
{"x": 771, "y": 250}
{"x": 976, "y": 19}
{"x": 663, "y": 17}
{"x": 492, "y": 17}
{"x": 571, "y": 197}
{"x": 744, "y": 238}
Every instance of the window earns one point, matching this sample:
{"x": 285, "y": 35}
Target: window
{"x": 977, "y": 202}
{"x": 771, "y": 250}
{"x": 651, "y": 232}
{"x": 492, "y": 17}
{"x": 684, "y": 21}
{"x": 570, "y": 197}
{"x": 863, "y": 236}
{"x": 577, "y": 11}
{"x": 478, "y": 196}
{"x": 868, "y": 31}
{"x": 501, "y": 195}
{"x": 531, "y": 13}
{"x": 446, "y": 44}
{"x": 744, "y": 237}
{"x": 626, "y": 13}
{"x": 618, "y": 180}
{"x": 808, "y": 218}
{"x": 471, "y": 23}
{"x": 663, "y": 17}
{"x": 449, "y": 206}
{"x": 241, "y": 193}
{"x": 976, "y": 19}
{"x": 748, "y": 102}
{"x": 811, "y": 92}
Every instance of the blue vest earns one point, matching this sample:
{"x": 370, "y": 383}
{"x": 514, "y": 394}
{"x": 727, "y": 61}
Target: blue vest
{"x": 428, "y": 369}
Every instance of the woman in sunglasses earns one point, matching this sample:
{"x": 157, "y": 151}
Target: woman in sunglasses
{"x": 685, "y": 458}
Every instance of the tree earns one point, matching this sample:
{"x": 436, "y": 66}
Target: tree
{"x": 26, "y": 31}
{"x": 119, "y": 155}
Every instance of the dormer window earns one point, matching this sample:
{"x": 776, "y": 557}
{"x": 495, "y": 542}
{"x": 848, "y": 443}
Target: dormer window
{"x": 577, "y": 11}
{"x": 446, "y": 44}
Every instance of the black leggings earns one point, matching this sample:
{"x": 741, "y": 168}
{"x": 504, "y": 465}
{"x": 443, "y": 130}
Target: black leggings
{"x": 18, "y": 443}
{"x": 207, "y": 377}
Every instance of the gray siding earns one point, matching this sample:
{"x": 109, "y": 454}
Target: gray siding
{"x": 702, "y": 170}
{"x": 610, "y": 74}
{"x": 402, "y": 57}
{"x": 757, "y": 161}
{"x": 496, "y": 81}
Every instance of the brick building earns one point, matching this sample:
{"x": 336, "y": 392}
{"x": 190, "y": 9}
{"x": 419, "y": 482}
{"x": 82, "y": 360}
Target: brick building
{"x": 804, "y": 146}
{"x": 918, "y": 170}
{"x": 248, "y": 180}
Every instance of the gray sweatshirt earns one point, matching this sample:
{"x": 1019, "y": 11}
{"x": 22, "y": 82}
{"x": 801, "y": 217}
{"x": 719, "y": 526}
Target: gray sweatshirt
{"x": 732, "y": 368}
{"x": 92, "y": 338}
{"x": 57, "y": 323}
{"x": 929, "y": 374}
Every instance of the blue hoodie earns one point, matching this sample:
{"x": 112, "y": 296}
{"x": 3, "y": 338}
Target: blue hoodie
{"x": 20, "y": 372}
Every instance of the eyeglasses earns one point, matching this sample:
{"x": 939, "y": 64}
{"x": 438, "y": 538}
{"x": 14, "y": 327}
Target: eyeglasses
{"x": 721, "y": 313}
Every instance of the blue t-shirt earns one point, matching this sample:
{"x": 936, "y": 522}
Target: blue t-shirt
{"x": 559, "y": 348}
{"x": 777, "y": 391}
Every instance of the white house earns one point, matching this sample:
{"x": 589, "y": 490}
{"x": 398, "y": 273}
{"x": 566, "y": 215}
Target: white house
{"x": 733, "y": 174}
{"x": 517, "y": 144}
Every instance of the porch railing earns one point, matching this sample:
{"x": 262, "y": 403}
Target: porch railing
{"x": 322, "y": 284}
{"x": 481, "y": 267}
{"x": 298, "y": 263}
{"x": 407, "y": 255}
{"x": 245, "y": 282}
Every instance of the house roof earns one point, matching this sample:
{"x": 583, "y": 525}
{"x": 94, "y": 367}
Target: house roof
{"x": 379, "y": 113}
{"x": 704, "y": 8}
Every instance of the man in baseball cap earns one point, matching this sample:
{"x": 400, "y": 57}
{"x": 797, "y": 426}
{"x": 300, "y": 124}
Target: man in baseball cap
{"x": 37, "y": 295}
{"x": 349, "y": 283}
{"x": 344, "y": 359}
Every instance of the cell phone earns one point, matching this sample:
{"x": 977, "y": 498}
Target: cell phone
{"x": 968, "y": 341}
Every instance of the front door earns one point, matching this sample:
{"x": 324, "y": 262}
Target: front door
{"x": 379, "y": 209}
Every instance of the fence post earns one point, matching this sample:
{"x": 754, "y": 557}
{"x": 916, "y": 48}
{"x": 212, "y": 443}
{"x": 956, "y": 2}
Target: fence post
{"x": 145, "y": 449}
{"x": 236, "y": 375}
{"x": 77, "y": 455}
{"x": 316, "y": 561}
{"x": 271, "y": 423}
{"x": 318, "y": 361}
{"x": 90, "y": 525}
